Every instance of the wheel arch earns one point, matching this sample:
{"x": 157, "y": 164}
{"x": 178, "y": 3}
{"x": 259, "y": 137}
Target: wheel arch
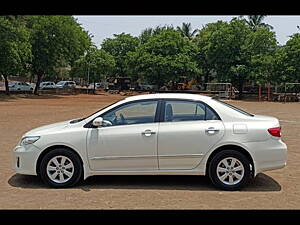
{"x": 231, "y": 147}
{"x": 50, "y": 148}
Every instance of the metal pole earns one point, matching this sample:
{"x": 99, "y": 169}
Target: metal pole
{"x": 87, "y": 89}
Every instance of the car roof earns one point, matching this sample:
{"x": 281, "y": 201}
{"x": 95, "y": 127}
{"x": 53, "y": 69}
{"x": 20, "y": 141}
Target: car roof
{"x": 169, "y": 95}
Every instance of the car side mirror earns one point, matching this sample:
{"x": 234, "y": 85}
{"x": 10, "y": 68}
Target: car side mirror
{"x": 98, "y": 122}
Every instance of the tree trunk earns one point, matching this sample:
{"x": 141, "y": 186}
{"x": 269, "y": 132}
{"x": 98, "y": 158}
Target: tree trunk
{"x": 37, "y": 86}
{"x": 206, "y": 77}
{"x": 269, "y": 92}
{"x": 241, "y": 85}
{"x": 6, "y": 84}
{"x": 31, "y": 78}
{"x": 94, "y": 88}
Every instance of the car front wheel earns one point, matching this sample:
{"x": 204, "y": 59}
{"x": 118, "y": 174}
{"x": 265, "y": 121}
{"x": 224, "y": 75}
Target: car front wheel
{"x": 230, "y": 170}
{"x": 60, "y": 168}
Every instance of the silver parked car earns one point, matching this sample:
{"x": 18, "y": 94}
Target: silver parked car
{"x": 19, "y": 86}
{"x": 47, "y": 85}
{"x": 66, "y": 84}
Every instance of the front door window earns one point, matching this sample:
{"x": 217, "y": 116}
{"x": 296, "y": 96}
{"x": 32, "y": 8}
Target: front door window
{"x": 133, "y": 113}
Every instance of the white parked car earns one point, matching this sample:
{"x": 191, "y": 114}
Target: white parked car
{"x": 66, "y": 84}
{"x": 19, "y": 86}
{"x": 97, "y": 86}
{"x": 155, "y": 134}
{"x": 47, "y": 85}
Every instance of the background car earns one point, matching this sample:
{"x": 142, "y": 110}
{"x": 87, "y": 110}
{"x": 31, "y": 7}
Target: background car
{"x": 147, "y": 87}
{"x": 66, "y": 84}
{"x": 97, "y": 86}
{"x": 19, "y": 86}
{"x": 47, "y": 85}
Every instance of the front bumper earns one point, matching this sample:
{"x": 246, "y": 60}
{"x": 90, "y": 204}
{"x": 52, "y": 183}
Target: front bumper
{"x": 25, "y": 159}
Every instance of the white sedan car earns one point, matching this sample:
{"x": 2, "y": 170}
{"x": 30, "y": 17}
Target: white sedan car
{"x": 66, "y": 84}
{"x": 155, "y": 134}
{"x": 47, "y": 85}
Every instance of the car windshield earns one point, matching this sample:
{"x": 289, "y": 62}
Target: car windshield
{"x": 234, "y": 108}
{"x": 61, "y": 82}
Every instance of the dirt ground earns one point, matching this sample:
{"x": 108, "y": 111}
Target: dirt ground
{"x": 278, "y": 189}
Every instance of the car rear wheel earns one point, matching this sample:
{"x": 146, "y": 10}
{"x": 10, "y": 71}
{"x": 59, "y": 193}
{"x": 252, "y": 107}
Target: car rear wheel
{"x": 60, "y": 168}
{"x": 230, "y": 170}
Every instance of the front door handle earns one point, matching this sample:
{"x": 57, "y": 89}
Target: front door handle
{"x": 211, "y": 130}
{"x": 148, "y": 133}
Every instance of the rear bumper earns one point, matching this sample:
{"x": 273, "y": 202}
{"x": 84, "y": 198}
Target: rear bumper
{"x": 268, "y": 155}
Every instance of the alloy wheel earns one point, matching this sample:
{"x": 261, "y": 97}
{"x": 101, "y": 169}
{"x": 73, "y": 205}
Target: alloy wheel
{"x": 230, "y": 171}
{"x": 60, "y": 169}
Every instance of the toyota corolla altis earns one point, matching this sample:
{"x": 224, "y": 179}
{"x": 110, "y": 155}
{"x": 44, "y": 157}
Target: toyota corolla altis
{"x": 155, "y": 134}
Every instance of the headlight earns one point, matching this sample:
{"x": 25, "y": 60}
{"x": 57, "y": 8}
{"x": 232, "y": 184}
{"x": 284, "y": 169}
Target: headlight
{"x": 29, "y": 140}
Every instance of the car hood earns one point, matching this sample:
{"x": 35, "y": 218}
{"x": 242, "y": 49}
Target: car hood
{"x": 48, "y": 128}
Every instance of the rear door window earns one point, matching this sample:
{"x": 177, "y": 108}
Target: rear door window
{"x": 182, "y": 110}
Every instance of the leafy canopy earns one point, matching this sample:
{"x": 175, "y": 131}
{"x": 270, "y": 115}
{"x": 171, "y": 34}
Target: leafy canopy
{"x": 118, "y": 47}
{"x": 164, "y": 57}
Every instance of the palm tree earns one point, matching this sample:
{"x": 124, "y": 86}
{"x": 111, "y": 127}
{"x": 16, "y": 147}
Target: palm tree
{"x": 148, "y": 32}
{"x": 186, "y": 30}
{"x": 255, "y": 21}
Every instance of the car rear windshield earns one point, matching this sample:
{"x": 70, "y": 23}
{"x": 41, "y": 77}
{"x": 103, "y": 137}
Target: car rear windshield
{"x": 234, "y": 108}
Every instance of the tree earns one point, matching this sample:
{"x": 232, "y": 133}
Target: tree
{"x": 204, "y": 57}
{"x": 164, "y": 57}
{"x": 118, "y": 47}
{"x": 186, "y": 30}
{"x": 56, "y": 41}
{"x": 288, "y": 58}
{"x": 232, "y": 49}
{"x": 149, "y": 32}
{"x": 15, "y": 48}
{"x": 261, "y": 45}
{"x": 256, "y": 21}
{"x": 97, "y": 63}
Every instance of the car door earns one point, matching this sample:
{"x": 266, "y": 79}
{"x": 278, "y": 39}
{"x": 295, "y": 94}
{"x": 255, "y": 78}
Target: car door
{"x": 128, "y": 141}
{"x": 25, "y": 87}
{"x": 187, "y": 131}
{"x": 18, "y": 86}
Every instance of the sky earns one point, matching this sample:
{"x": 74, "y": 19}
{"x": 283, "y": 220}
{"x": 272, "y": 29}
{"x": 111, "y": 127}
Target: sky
{"x": 102, "y": 27}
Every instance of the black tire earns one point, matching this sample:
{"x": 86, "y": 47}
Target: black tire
{"x": 212, "y": 171}
{"x": 78, "y": 169}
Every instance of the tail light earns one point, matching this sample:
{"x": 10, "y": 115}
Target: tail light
{"x": 275, "y": 131}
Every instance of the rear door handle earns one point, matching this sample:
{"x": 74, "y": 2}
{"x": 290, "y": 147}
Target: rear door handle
{"x": 148, "y": 133}
{"x": 211, "y": 130}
